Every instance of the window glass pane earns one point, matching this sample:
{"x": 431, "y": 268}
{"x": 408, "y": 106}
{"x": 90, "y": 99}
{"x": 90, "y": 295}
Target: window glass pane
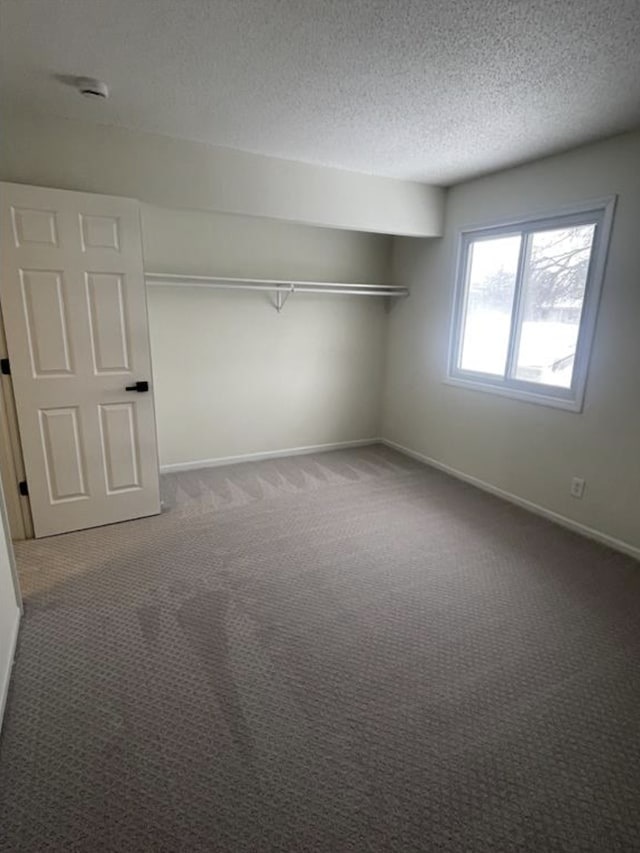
{"x": 492, "y": 267}
{"x": 553, "y": 293}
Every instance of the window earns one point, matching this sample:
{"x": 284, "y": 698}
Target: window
{"x": 526, "y": 301}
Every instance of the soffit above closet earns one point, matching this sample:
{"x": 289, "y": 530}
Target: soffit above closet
{"x": 427, "y": 90}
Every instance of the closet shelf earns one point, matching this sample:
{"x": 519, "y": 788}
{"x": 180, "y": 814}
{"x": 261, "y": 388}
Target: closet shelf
{"x": 281, "y": 289}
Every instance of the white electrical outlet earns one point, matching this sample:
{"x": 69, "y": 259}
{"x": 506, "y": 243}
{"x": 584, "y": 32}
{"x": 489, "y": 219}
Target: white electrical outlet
{"x": 577, "y": 487}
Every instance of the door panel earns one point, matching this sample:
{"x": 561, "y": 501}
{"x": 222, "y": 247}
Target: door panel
{"x": 34, "y": 227}
{"x": 100, "y": 232}
{"x": 74, "y": 305}
{"x": 45, "y": 316}
{"x": 119, "y": 446}
{"x": 108, "y": 324}
{"x": 63, "y": 456}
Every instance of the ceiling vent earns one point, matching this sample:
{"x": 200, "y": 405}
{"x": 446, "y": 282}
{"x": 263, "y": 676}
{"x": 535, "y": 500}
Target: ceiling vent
{"x": 89, "y": 87}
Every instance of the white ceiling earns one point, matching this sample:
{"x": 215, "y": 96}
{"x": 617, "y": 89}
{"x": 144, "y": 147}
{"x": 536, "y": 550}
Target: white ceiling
{"x": 431, "y": 90}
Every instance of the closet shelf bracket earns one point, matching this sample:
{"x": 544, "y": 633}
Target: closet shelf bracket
{"x": 281, "y": 297}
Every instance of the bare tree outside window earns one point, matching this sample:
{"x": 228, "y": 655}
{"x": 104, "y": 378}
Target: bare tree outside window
{"x": 553, "y": 296}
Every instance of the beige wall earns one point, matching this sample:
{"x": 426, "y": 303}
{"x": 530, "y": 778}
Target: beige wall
{"x": 527, "y": 449}
{"x": 234, "y": 377}
{"x": 175, "y": 173}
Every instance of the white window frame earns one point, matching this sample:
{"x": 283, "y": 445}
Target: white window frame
{"x": 599, "y": 212}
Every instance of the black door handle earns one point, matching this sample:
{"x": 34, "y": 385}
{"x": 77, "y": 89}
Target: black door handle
{"x": 140, "y": 387}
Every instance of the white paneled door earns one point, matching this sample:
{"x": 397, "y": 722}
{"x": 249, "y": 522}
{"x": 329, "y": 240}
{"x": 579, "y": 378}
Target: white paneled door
{"x": 74, "y": 306}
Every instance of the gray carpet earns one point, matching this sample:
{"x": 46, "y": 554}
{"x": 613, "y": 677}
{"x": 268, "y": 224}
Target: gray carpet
{"x": 338, "y": 652}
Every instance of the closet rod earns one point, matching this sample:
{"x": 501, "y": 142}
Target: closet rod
{"x": 274, "y": 285}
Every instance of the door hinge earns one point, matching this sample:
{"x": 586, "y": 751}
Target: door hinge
{"x": 5, "y": 366}
{"x": 23, "y": 488}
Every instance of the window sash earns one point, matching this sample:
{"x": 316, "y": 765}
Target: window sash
{"x": 515, "y": 329}
{"x": 598, "y": 214}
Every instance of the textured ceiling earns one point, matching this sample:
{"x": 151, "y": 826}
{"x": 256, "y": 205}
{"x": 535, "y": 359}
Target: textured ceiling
{"x": 426, "y": 89}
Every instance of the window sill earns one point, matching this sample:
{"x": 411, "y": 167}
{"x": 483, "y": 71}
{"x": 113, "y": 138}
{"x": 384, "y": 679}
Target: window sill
{"x": 568, "y": 405}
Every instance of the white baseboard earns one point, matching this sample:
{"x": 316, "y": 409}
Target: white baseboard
{"x": 6, "y": 675}
{"x": 575, "y": 526}
{"x": 269, "y": 454}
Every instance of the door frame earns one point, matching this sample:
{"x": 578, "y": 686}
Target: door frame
{"x": 12, "y": 471}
